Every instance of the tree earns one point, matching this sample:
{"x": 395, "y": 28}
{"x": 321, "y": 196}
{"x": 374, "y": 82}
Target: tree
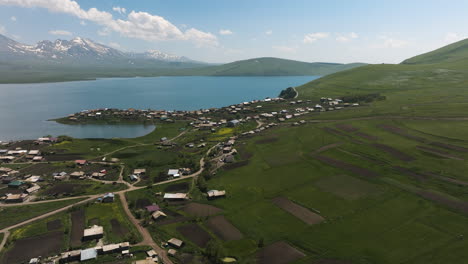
{"x": 201, "y": 183}
{"x": 261, "y": 243}
{"x": 214, "y": 251}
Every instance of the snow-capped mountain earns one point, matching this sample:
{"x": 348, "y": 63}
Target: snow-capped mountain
{"x": 78, "y": 49}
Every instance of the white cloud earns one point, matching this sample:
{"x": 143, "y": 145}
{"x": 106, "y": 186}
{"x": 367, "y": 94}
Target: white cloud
{"x": 120, "y": 10}
{"x": 104, "y": 32}
{"x": 346, "y": 37}
{"x": 390, "y": 42}
{"x": 225, "y": 32}
{"x": 269, "y": 32}
{"x": 60, "y": 32}
{"x": 313, "y": 37}
{"x": 13, "y": 18}
{"x": 285, "y": 49}
{"x": 452, "y": 37}
{"x": 140, "y": 25}
{"x": 2, "y": 29}
{"x": 82, "y": 23}
{"x": 114, "y": 45}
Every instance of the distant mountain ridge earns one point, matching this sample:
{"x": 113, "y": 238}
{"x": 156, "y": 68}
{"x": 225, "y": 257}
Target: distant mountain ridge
{"x": 83, "y": 59}
{"x": 78, "y": 48}
{"x": 269, "y": 66}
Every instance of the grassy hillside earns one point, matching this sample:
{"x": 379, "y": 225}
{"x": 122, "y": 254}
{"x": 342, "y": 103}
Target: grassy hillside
{"x": 451, "y": 53}
{"x": 269, "y": 67}
{"x": 26, "y": 72}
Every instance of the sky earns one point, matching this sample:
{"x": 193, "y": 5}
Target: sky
{"x": 219, "y": 31}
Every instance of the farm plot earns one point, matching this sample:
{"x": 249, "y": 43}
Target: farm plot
{"x": 278, "y": 253}
{"x": 77, "y": 228}
{"x": 201, "y": 210}
{"x": 437, "y": 152}
{"x": 236, "y": 165}
{"x": 27, "y": 248}
{"x": 65, "y": 188}
{"x": 173, "y": 217}
{"x": 118, "y": 228}
{"x": 335, "y": 132}
{"x": 327, "y": 147}
{"x": 178, "y": 187}
{"x": 346, "y": 166}
{"x": 411, "y": 173}
{"x": 347, "y": 187}
{"x": 54, "y": 224}
{"x": 394, "y": 152}
{"x": 141, "y": 203}
{"x": 347, "y": 128}
{"x": 298, "y": 211}
{"x": 223, "y": 228}
{"x": 401, "y": 132}
{"x": 449, "y": 146}
{"x": 195, "y": 233}
{"x": 366, "y": 136}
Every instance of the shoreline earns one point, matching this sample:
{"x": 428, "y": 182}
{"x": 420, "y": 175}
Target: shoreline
{"x": 155, "y": 76}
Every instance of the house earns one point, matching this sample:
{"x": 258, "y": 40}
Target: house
{"x": 158, "y": 215}
{"x": 163, "y": 139}
{"x": 190, "y": 145}
{"x": 151, "y": 253}
{"x": 172, "y": 252}
{"x": 37, "y": 159}
{"x": 15, "y": 184}
{"x": 33, "y": 189}
{"x": 70, "y": 256}
{"x": 173, "y": 173}
{"x": 14, "y": 198}
{"x": 233, "y": 123}
{"x": 34, "y": 152}
{"x": 94, "y": 232}
{"x": 7, "y": 179}
{"x": 175, "y": 242}
{"x": 33, "y": 179}
{"x": 108, "y": 198}
{"x": 77, "y": 175}
{"x": 138, "y": 172}
{"x": 215, "y": 194}
{"x": 111, "y": 248}
{"x": 7, "y": 158}
{"x": 5, "y": 170}
{"x": 227, "y": 149}
{"x": 175, "y": 196}
{"x": 87, "y": 254}
{"x": 152, "y": 208}
{"x": 81, "y": 162}
{"x": 133, "y": 177}
{"x": 98, "y": 175}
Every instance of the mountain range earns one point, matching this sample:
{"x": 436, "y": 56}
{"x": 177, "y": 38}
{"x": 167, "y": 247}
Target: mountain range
{"x": 82, "y": 58}
{"x": 77, "y": 49}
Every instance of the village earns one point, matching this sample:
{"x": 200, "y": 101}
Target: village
{"x": 57, "y": 178}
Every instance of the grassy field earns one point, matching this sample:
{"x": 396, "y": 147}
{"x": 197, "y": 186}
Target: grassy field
{"x": 364, "y": 216}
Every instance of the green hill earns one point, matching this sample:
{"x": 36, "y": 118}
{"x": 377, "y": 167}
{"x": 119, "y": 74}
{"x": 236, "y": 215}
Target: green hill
{"x": 457, "y": 51}
{"x": 269, "y": 67}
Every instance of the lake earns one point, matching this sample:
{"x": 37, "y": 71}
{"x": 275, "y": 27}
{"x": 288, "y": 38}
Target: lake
{"x": 25, "y": 108}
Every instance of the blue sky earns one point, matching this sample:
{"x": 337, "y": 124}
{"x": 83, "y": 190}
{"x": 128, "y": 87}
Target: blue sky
{"x": 223, "y": 31}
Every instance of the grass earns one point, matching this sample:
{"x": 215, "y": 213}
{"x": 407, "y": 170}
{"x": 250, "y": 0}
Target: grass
{"x": 358, "y": 211}
{"x": 16, "y": 214}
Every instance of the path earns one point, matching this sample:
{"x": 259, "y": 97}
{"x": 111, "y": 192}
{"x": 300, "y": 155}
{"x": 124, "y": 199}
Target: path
{"x": 147, "y": 238}
{"x": 297, "y": 93}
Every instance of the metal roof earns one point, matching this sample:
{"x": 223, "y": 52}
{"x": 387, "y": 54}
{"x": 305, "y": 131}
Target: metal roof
{"x": 89, "y": 253}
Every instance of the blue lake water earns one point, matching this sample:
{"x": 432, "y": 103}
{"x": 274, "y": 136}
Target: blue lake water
{"x": 25, "y": 108}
